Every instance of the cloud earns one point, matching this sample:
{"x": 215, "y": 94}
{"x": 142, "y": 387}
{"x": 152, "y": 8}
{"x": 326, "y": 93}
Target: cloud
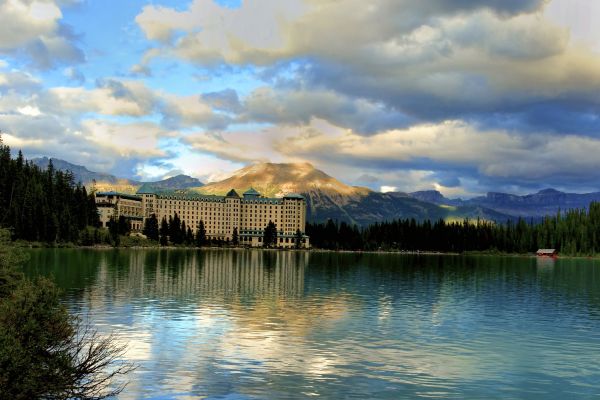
{"x": 74, "y": 75}
{"x": 18, "y": 82}
{"x": 99, "y": 145}
{"x": 233, "y": 146}
{"x": 299, "y": 107}
{"x": 418, "y": 61}
{"x": 189, "y": 111}
{"x": 224, "y": 100}
{"x": 133, "y": 140}
{"x": 109, "y": 98}
{"x": 33, "y": 28}
{"x": 454, "y": 149}
{"x": 264, "y": 31}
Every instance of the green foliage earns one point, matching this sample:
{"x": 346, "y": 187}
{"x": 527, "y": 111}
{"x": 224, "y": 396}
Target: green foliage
{"x": 91, "y": 236}
{"x": 189, "y": 237}
{"x": 298, "y": 239}
{"x": 270, "y": 235}
{"x": 136, "y": 241}
{"x": 235, "y": 240}
{"x": 44, "y": 206}
{"x": 44, "y": 351}
{"x": 201, "y": 234}
{"x": 151, "y": 229}
{"x": 164, "y": 232}
{"x": 576, "y": 232}
{"x": 176, "y": 233}
{"x": 113, "y": 229}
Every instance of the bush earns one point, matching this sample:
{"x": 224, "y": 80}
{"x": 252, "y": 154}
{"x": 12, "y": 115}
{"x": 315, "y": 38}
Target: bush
{"x": 44, "y": 351}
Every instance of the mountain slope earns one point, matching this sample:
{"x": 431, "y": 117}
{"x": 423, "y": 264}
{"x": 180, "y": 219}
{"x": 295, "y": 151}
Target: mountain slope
{"x": 535, "y": 205}
{"x": 80, "y": 173}
{"x": 276, "y": 180}
{"x": 176, "y": 182}
{"x": 106, "y": 182}
{"x": 328, "y": 198}
{"x": 435, "y": 197}
{"x": 544, "y": 202}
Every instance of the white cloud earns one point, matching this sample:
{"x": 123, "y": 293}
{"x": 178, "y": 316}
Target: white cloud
{"x": 453, "y": 146}
{"x": 29, "y": 110}
{"x": 132, "y": 140}
{"x": 434, "y": 59}
{"x": 34, "y": 27}
{"x": 100, "y": 100}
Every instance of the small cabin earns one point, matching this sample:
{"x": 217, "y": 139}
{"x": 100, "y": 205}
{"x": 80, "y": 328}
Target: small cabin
{"x": 547, "y": 253}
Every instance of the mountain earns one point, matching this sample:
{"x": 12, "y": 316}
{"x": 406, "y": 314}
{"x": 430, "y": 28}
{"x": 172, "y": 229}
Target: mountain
{"x": 329, "y": 198}
{"x": 276, "y": 180}
{"x": 80, "y": 173}
{"x": 536, "y": 205}
{"x": 176, "y": 182}
{"x": 106, "y": 182}
{"x": 435, "y": 197}
{"x": 544, "y": 202}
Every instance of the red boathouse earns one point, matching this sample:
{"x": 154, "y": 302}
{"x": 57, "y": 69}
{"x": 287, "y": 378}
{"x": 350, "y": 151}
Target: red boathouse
{"x": 547, "y": 253}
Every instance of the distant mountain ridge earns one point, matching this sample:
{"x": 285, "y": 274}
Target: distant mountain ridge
{"x": 80, "y": 173}
{"x": 105, "y": 182}
{"x": 537, "y": 205}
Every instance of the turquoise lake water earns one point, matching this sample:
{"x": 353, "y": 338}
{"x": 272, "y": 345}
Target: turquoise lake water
{"x": 251, "y": 324}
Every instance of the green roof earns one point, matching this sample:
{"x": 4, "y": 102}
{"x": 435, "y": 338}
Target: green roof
{"x": 119, "y": 194}
{"x": 232, "y": 193}
{"x": 293, "y": 196}
{"x": 251, "y": 192}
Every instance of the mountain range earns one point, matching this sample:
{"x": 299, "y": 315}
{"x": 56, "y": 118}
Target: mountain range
{"x": 327, "y": 197}
{"x": 106, "y": 182}
{"x": 536, "y": 205}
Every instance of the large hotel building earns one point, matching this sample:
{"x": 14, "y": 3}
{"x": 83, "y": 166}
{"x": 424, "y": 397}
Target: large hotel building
{"x": 250, "y": 214}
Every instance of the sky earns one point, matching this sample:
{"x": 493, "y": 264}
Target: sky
{"x": 462, "y": 96}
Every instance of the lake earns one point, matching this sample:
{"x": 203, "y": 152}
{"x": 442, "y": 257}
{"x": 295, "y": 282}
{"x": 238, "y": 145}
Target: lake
{"x": 252, "y": 324}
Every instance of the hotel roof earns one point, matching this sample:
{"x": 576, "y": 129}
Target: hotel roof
{"x": 119, "y": 194}
{"x": 251, "y": 192}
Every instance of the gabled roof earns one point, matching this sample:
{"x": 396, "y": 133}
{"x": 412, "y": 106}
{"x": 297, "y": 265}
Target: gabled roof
{"x": 232, "y": 193}
{"x": 251, "y": 192}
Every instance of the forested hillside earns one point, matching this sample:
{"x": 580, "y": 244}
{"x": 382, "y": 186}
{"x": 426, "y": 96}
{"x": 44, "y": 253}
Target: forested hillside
{"x": 576, "y": 232}
{"x": 42, "y": 205}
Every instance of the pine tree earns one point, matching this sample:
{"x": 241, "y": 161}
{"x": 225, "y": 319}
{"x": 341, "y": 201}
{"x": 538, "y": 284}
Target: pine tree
{"x": 298, "y": 239}
{"x": 175, "y": 230}
{"x": 234, "y": 237}
{"x": 113, "y": 229}
{"x": 189, "y": 237}
{"x": 164, "y": 232}
{"x": 200, "y": 234}
{"x": 151, "y": 229}
{"x": 270, "y": 235}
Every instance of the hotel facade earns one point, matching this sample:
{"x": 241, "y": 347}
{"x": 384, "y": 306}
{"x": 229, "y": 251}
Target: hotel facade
{"x": 249, "y": 214}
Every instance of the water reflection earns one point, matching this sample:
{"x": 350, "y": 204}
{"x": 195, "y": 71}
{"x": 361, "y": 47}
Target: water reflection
{"x": 254, "y": 324}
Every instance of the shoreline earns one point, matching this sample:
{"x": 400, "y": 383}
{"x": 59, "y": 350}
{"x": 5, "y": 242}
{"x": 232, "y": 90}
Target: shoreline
{"x": 37, "y": 245}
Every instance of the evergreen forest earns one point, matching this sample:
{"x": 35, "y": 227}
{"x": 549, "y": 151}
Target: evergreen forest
{"x": 574, "y": 232}
{"x": 42, "y": 205}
